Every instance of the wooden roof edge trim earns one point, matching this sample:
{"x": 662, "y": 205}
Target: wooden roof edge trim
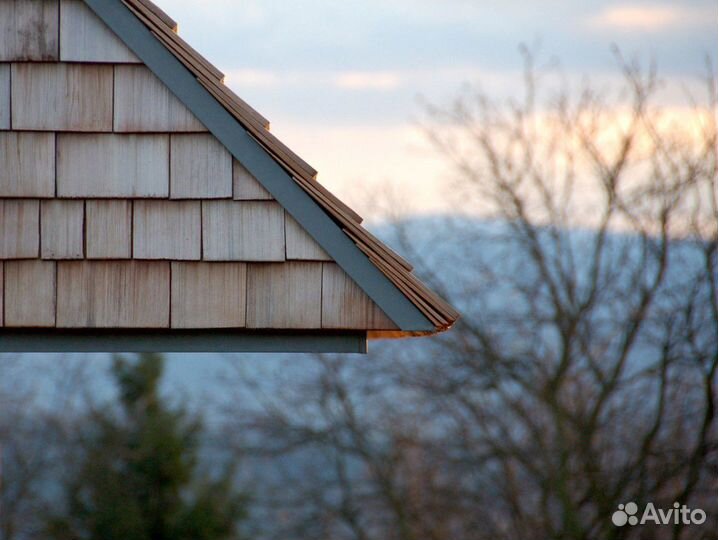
{"x": 281, "y": 151}
{"x": 442, "y": 305}
{"x": 152, "y": 21}
{"x": 255, "y": 123}
{"x": 378, "y": 249}
{"x": 429, "y": 310}
{"x": 322, "y": 191}
{"x": 393, "y": 255}
{"x": 441, "y": 310}
{"x": 261, "y": 164}
{"x": 350, "y": 220}
{"x": 415, "y": 282}
{"x": 398, "y": 278}
{"x": 161, "y": 14}
{"x": 316, "y": 190}
{"x": 197, "y": 63}
{"x": 447, "y": 315}
{"x": 194, "y": 61}
{"x": 245, "y": 115}
{"x": 244, "y": 106}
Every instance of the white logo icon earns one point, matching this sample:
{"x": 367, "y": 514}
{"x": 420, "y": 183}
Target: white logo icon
{"x": 625, "y": 514}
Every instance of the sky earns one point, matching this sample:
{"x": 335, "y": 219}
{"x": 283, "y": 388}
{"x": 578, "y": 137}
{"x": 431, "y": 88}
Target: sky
{"x": 344, "y": 83}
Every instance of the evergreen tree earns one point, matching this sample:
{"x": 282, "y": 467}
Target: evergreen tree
{"x": 137, "y": 479}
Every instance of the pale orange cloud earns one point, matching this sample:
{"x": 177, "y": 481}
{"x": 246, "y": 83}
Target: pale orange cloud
{"x": 649, "y": 17}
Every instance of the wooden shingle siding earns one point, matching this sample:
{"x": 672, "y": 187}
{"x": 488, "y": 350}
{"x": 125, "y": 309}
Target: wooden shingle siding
{"x": 285, "y": 295}
{"x": 243, "y": 231}
{"x": 346, "y": 306}
{"x": 143, "y": 103}
{"x": 301, "y": 246}
{"x": 246, "y": 186}
{"x": 108, "y": 229}
{"x": 27, "y": 164}
{"x": 19, "y": 229}
{"x": 28, "y": 30}
{"x": 119, "y": 209}
{"x": 4, "y": 96}
{"x": 112, "y": 166}
{"x": 201, "y": 168}
{"x": 62, "y": 229}
{"x": 85, "y": 38}
{"x": 30, "y": 294}
{"x": 209, "y": 295}
{"x": 62, "y": 97}
{"x": 167, "y": 230}
{"x": 117, "y": 294}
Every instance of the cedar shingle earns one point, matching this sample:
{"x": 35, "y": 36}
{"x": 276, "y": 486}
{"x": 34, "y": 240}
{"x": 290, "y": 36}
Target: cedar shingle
{"x": 300, "y": 245}
{"x": 90, "y": 165}
{"x": 144, "y": 103}
{"x": 62, "y": 97}
{"x": 108, "y": 229}
{"x": 201, "y": 168}
{"x": 246, "y": 186}
{"x": 85, "y": 38}
{"x": 167, "y": 230}
{"x": 346, "y": 306}
{"x": 19, "y": 229}
{"x": 284, "y": 296}
{"x": 30, "y": 293}
{"x": 117, "y": 294}
{"x": 62, "y": 229}
{"x": 243, "y": 231}
{"x": 28, "y": 30}
{"x": 27, "y": 164}
{"x": 209, "y": 295}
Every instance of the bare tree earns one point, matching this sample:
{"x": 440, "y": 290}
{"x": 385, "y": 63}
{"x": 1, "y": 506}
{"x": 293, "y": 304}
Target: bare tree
{"x": 37, "y": 436}
{"x": 583, "y": 374}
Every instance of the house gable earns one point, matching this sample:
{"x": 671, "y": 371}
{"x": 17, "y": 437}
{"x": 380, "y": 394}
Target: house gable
{"x": 110, "y": 185}
{"x": 281, "y": 173}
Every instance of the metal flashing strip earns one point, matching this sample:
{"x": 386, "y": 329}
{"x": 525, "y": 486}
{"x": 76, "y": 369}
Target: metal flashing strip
{"x": 263, "y": 167}
{"x": 178, "y": 341}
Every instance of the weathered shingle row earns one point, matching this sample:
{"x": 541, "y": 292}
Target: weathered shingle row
{"x": 52, "y": 30}
{"x": 56, "y": 229}
{"x": 81, "y": 165}
{"x": 89, "y": 98}
{"x": 137, "y": 294}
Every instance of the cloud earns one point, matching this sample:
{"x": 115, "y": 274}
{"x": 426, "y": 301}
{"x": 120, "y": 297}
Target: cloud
{"x": 650, "y": 18}
{"x": 253, "y": 78}
{"x": 343, "y": 80}
{"x": 368, "y": 80}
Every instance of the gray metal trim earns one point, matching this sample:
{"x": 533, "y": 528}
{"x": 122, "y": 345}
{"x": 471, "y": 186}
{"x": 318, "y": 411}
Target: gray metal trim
{"x": 190, "y": 341}
{"x": 262, "y": 166}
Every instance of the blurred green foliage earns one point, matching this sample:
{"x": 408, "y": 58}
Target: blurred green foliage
{"x": 137, "y": 477}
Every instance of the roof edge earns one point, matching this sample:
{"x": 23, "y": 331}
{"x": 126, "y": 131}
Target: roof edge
{"x": 124, "y": 340}
{"x": 123, "y": 22}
